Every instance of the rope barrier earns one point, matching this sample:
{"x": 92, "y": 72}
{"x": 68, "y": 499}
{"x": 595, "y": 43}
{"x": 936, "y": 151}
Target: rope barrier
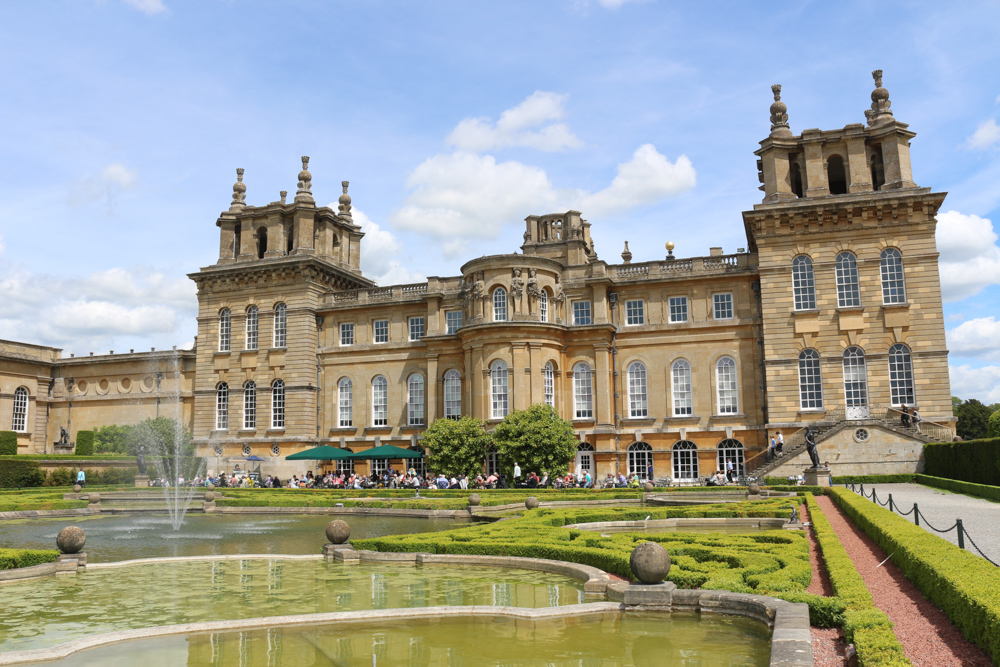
{"x": 977, "y": 547}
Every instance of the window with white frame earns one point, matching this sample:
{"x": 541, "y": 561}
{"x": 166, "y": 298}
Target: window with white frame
{"x": 346, "y": 333}
{"x": 492, "y": 463}
{"x": 543, "y": 306}
{"x": 680, "y": 375}
{"x": 499, "y": 305}
{"x": 635, "y": 312}
{"x": 499, "y": 390}
{"x": 583, "y": 392}
{"x": 727, "y": 386}
{"x": 581, "y": 312}
{"x": 419, "y": 465}
{"x": 810, "y": 380}
{"x": 380, "y": 401}
{"x": 416, "y": 328}
{"x": 901, "y": 375}
{"x": 640, "y": 459}
{"x": 415, "y": 400}
{"x": 730, "y": 451}
{"x": 249, "y": 405}
{"x": 848, "y": 286}
{"x": 380, "y": 331}
{"x": 803, "y": 283}
{"x": 452, "y": 394}
{"x": 638, "y": 406}
{"x": 345, "y": 467}
{"x": 678, "y": 308}
{"x": 222, "y": 407}
{"x": 345, "y": 403}
{"x": 684, "y": 455}
{"x": 280, "y": 325}
{"x": 252, "y": 328}
{"x": 379, "y": 466}
{"x": 453, "y": 320}
{"x": 893, "y": 287}
{"x": 722, "y": 306}
{"x": 225, "y": 329}
{"x": 278, "y": 404}
{"x": 549, "y": 383}
{"x": 20, "y": 421}
{"x": 855, "y": 377}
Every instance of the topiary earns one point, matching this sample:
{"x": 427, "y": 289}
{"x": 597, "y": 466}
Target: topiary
{"x": 8, "y": 443}
{"x": 85, "y": 443}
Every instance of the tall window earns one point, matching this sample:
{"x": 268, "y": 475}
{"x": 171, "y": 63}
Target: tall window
{"x": 415, "y": 400}
{"x": 280, "y": 325}
{"x": 848, "y": 289}
{"x": 585, "y": 458}
{"x": 499, "y": 394}
{"x": 803, "y": 283}
{"x": 726, "y": 386}
{"x": 893, "y": 289}
{"x": 20, "y": 423}
{"x": 730, "y": 450}
{"x": 347, "y": 333}
{"x": 225, "y": 329}
{"x": 380, "y": 401}
{"x": 249, "y": 405}
{"x": 452, "y": 394}
{"x": 680, "y": 375}
{"x": 252, "y": 327}
{"x": 678, "y": 308}
{"x": 222, "y": 407}
{"x": 419, "y": 465}
{"x": 549, "y": 383}
{"x": 380, "y": 329}
{"x": 543, "y": 306}
{"x": 583, "y": 392}
{"x": 453, "y": 319}
{"x": 722, "y": 306}
{"x": 492, "y": 462}
{"x": 810, "y": 380}
{"x": 637, "y": 404}
{"x": 278, "y": 404}
{"x": 855, "y": 377}
{"x": 499, "y": 305}
{"x": 416, "y": 328}
{"x": 581, "y": 312}
{"x": 345, "y": 403}
{"x": 640, "y": 457}
{"x": 901, "y": 375}
{"x": 685, "y": 459}
{"x": 635, "y": 312}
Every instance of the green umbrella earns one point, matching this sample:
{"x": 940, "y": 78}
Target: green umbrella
{"x": 324, "y": 453}
{"x": 386, "y": 452}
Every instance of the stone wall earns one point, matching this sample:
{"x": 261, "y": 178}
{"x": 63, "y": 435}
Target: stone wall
{"x": 884, "y": 453}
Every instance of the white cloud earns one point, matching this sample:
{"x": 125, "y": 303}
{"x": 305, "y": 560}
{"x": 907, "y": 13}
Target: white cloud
{"x": 147, "y": 6}
{"x": 108, "y": 183}
{"x": 979, "y": 337}
{"x": 987, "y": 134}
{"x": 970, "y": 257}
{"x": 980, "y": 383}
{"x": 379, "y": 254}
{"x": 516, "y": 127}
{"x": 647, "y": 178}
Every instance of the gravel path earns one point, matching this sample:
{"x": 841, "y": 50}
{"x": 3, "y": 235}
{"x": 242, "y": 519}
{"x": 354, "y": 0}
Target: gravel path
{"x": 927, "y": 636}
{"x": 941, "y": 508}
{"x": 829, "y": 647}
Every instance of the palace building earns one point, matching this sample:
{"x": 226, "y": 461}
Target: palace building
{"x": 831, "y": 316}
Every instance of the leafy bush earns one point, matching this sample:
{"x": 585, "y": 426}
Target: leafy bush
{"x": 60, "y": 477}
{"x": 84, "y": 443}
{"x": 8, "y": 443}
{"x": 456, "y": 446}
{"x": 976, "y": 461}
{"x": 958, "y": 486}
{"x": 973, "y": 418}
{"x": 993, "y": 425}
{"x": 15, "y": 473}
{"x": 537, "y": 439}
{"x": 14, "y": 558}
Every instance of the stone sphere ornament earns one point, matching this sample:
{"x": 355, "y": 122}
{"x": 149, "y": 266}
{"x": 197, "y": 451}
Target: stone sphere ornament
{"x": 648, "y": 487}
{"x": 337, "y": 531}
{"x": 209, "y": 496}
{"x": 77, "y": 488}
{"x": 650, "y": 563}
{"x": 70, "y": 540}
{"x": 474, "y": 499}
{"x": 94, "y": 498}
{"x": 754, "y": 489}
{"x": 211, "y": 487}
{"x": 531, "y": 503}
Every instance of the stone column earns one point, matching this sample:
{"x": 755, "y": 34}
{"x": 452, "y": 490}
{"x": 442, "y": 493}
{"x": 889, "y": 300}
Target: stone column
{"x": 479, "y": 400}
{"x": 857, "y": 165}
{"x": 431, "y": 387}
{"x": 535, "y": 378}
{"x": 519, "y": 379}
{"x": 896, "y": 160}
{"x": 817, "y": 183}
{"x": 304, "y": 228}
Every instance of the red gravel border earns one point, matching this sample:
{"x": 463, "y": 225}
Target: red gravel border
{"x": 828, "y": 644}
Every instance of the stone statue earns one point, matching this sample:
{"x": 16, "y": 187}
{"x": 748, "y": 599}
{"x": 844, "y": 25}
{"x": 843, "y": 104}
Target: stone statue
{"x": 63, "y": 437}
{"x": 140, "y": 459}
{"x": 532, "y": 289}
{"x": 517, "y": 284}
{"x": 811, "y": 447}
{"x": 478, "y": 292}
{"x": 527, "y": 236}
{"x": 794, "y": 518}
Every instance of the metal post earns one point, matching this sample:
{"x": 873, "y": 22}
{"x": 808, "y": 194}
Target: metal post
{"x": 874, "y": 500}
{"x": 890, "y": 502}
{"x": 961, "y": 533}
{"x": 916, "y": 515}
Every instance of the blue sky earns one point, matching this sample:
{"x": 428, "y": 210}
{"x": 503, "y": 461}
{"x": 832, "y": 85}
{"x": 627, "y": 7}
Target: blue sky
{"x": 122, "y": 123}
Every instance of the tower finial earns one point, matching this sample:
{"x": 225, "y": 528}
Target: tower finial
{"x": 879, "y": 113}
{"x": 304, "y": 193}
{"x": 284, "y": 195}
{"x": 345, "y": 201}
{"x": 239, "y": 193}
{"x": 627, "y": 254}
{"x": 779, "y": 113}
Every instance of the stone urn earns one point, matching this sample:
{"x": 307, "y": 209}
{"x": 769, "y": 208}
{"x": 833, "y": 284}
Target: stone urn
{"x": 531, "y": 503}
{"x": 337, "y": 531}
{"x": 648, "y": 487}
{"x": 754, "y": 489}
{"x": 650, "y": 563}
{"x": 70, "y": 540}
{"x": 94, "y": 498}
{"x": 474, "y": 499}
{"x": 77, "y": 488}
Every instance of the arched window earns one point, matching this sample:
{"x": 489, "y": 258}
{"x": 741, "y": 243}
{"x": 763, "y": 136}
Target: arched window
{"x": 20, "y": 423}
{"x": 727, "y": 386}
{"x": 730, "y": 450}
{"x": 583, "y": 392}
{"x": 249, "y": 405}
{"x": 893, "y": 287}
{"x": 549, "y": 383}
{"x": 855, "y": 378}
{"x": 680, "y": 375}
{"x": 685, "y": 459}
{"x": 848, "y": 290}
{"x": 280, "y": 325}
{"x": 278, "y": 404}
{"x": 585, "y": 458}
{"x": 225, "y": 329}
{"x": 836, "y": 174}
{"x": 251, "y": 328}
{"x": 810, "y": 380}
{"x": 261, "y": 242}
{"x": 795, "y": 177}
{"x": 499, "y": 390}
{"x": 345, "y": 403}
{"x": 640, "y": 459}
{"x": 901, "y": 375}
{"x": 492, "y": 463}
{"x": 415, "y": 400}
{"x": 499, "y": 305}
{"x": 543, "y": 306}
{"x": 380, "y": 401}
{"x": 803, "y": 283}
{"x": 452, "y": 394}
{"x": 637, "y": 404}
{"x": 222, "y": 407}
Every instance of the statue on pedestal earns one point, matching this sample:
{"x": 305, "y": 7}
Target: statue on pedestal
{"x": 140, "y": 459}
{"x": 811, "y": 448}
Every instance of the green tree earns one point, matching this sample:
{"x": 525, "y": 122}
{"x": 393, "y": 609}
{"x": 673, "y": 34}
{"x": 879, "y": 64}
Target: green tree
{"x": 973, "y": 418}
{"x": 457, "y": 446}
{"x": 111, "y": 439}
{"x": 537, "y": 439}
{"x": 955, "y": 402}
{"x": 993, "y": 425}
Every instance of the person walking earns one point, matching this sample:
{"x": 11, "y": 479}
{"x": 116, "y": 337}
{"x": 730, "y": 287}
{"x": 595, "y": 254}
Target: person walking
{"x": 781, "y": 443}
{"x": 916, "y": 420}
{"x": 81, "y": 478}
{"x": 904, "y": 416}
{"x": 729, "y": 470}
{"x": 517, "y": 474}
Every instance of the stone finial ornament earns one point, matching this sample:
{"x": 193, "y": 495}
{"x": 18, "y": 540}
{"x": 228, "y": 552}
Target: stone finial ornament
{"x": 879, "y": 113}
{"x": 71, "y": 540}
{"x": 345, "y": 201}
{"x": 304, "y": 193}
{"x": 669, "y": 245}
{"x": 338, "y": 531}
{"x": 284, "y": 195}
{"x": 627, "y": 254}
{"x": 779, "y": 113}
{"x": 239, "y": 193}
{"x": 650, "y": 563}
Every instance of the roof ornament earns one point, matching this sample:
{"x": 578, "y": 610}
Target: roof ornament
{"x": 779, "y": 113}
{"x": 304, "y": 193}
{"x": 345, "y": 201}
{"x": 669, "y": 245}
{"x": 239, "y": 193}
{"x": 879, "y": 113}
{"x": 284, "y": 195}
{"x": 627, "y": 254}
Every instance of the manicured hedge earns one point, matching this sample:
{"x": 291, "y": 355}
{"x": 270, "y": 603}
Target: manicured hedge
{"x": 908, "y": 478}
{"x": 84, "y": 443}
{"x": 867, "y": 626}
{"x": 965, "y": 586}
{"x": 14, "y": 558}
{"x": 15, "y": 473}
{"x": 8, "y": 443}
{"x": 976, "y": 461}
{"x": 968, "y": 488}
